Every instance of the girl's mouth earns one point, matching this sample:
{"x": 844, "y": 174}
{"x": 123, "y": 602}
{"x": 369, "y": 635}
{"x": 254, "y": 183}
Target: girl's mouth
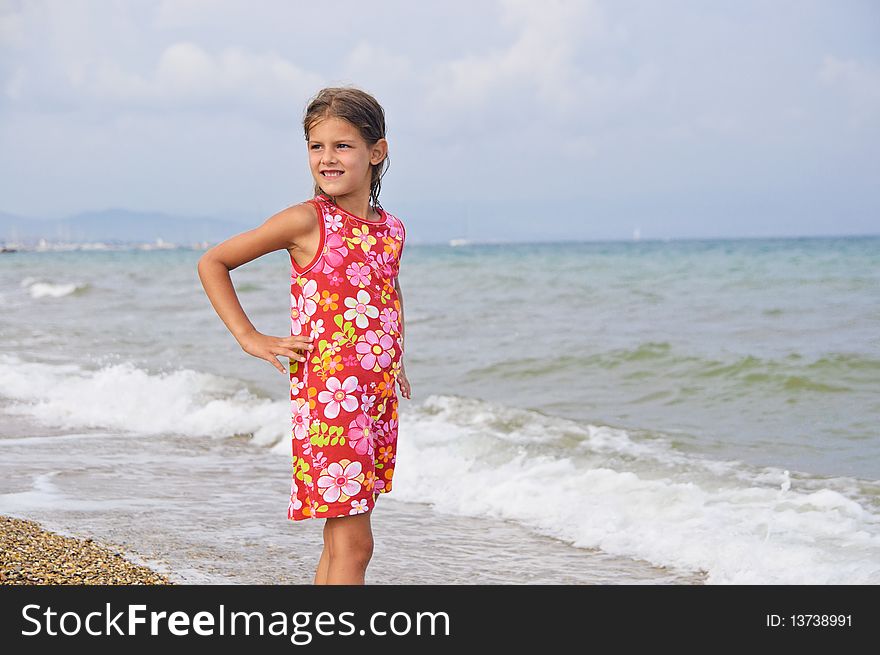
{"x": 331, "y": 173}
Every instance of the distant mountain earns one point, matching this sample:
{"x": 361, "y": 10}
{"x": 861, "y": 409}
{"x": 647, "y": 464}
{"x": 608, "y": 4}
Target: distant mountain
{"x": 119, "y": 225}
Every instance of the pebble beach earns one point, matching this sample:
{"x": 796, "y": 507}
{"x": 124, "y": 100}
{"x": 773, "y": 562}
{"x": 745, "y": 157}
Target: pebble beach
{"x": 34, "y": 556}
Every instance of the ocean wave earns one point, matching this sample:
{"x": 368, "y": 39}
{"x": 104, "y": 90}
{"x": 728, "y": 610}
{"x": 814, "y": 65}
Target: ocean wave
{"x": 629, "y": 493}
{"x": 600, "y": 487}
{"x": 136, "y": 401}
{"x": 833, "y": 373}
{"x": 38, "y": 289}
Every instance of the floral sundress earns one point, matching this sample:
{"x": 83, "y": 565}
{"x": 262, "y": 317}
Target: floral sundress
{"x": 343, "y": 398}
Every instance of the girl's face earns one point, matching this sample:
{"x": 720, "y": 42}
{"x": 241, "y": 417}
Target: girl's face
{"x": 336, "y": 146}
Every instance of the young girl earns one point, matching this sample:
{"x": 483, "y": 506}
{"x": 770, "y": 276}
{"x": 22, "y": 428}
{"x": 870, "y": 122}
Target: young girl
{"x": 345, "y": 346}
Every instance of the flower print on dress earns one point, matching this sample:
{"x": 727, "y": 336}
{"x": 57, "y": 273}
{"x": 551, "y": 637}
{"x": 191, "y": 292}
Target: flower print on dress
{"x": 333, "y": 221}
{"x": 295, "y": 502}
{"x": 388, "y": 317}
{"x": 375, "y": 350}
{"x": 360, "y": 435}
{"x": 384, "y": 263}
{"x": 360, "y": 236}
{"x": 359, "y": 507}
{"x": 300, "y": 419}
{"x": 320, "y": 460}
{"x": 367, "y": 402}
{"x": 317, "y": 328}
{"x": 384, "y": 431}
{"x": 335, "y": 252}
{"x": 341, "y": 483}
{"x": 303, "y": 306}
{"x": 359, "y": 274}
{"x": 339, "y": 394}
{"x": 360, "y": 309}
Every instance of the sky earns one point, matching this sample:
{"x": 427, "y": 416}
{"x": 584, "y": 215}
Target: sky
{"x": 507, "y": 120}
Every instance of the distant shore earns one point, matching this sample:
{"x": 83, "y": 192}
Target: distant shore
{"x": 60, "y": 246}
{"x": 30, "y": 555}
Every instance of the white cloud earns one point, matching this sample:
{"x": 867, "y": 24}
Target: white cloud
{"x": 540, "y": 57}
{"x": 546, "y": 67}
{"x": 186, "y": 76}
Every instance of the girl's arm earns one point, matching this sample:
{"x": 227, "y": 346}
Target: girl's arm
{"x": 405, "y": 388}
{"x": 280, "y": 231}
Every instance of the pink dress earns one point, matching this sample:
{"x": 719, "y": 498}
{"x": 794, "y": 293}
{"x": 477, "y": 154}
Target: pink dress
{"x": 343, "y": 398}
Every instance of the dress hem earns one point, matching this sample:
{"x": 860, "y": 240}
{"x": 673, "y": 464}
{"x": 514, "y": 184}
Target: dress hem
{"x": 343, "y": 509}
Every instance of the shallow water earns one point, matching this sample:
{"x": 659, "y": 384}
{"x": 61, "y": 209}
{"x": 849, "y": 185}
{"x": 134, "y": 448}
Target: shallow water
{"x": 210, "y": 513}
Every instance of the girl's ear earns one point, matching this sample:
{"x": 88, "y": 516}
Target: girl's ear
{"x": 379, "y": 151}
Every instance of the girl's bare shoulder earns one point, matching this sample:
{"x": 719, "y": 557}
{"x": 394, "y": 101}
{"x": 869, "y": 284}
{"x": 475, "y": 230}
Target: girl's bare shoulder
{"x": 304, "y": 212}
{"x": 296, "y": 221}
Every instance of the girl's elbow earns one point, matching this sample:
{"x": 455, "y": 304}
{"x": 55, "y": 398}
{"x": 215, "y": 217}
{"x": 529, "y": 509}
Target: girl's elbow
{"x": 205, "y": 259}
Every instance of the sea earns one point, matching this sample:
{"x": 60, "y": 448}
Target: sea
{"x": 631, "y": 412}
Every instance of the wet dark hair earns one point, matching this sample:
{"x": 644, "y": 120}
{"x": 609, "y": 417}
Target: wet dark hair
{"x": 361, "y": 110}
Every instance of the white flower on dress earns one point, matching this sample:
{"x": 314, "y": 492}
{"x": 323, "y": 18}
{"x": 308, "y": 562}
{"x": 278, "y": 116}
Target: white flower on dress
{"x": 295, "y": 502}
{"x": 317, "y": 328}
{"x": 333, "y": 221}
{"x": 359, "y": 506}
{"x": 360, "y": 309}
{"x": 300, "y": 414}
{"x": 339, "y": 394}
{"x": 303, "y": 306}
{"x": 337, "y": 481}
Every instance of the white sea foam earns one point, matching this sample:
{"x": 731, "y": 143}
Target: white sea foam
{"x": 591, "y": 486}
{"x": 641, "y": 500}
{"x": 39, "y": 289}
{"x": 130, "y": 399}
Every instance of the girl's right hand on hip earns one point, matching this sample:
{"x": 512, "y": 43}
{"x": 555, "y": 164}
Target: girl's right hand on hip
{"x": 264, "y": 346}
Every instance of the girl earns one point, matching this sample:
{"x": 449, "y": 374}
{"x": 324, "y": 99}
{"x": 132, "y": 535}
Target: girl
{"x": 345, "y": 346}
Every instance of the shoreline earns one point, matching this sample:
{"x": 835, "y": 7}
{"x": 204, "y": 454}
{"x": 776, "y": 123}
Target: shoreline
{"x": 156, "y": 515}
{"x": 33, "y": 555}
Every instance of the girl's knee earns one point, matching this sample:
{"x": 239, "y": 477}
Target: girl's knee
{"x": 349, "y": 538}
{"x": 355, "y": 544}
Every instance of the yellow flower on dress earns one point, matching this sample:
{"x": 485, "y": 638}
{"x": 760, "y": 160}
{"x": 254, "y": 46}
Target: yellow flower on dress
{"x": 328, "y": 300}
{"x": 361, "y": 237}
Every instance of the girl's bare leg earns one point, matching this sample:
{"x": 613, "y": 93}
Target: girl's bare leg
{"x": 351, "y": 547}
{"x": 324, "y": 562}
